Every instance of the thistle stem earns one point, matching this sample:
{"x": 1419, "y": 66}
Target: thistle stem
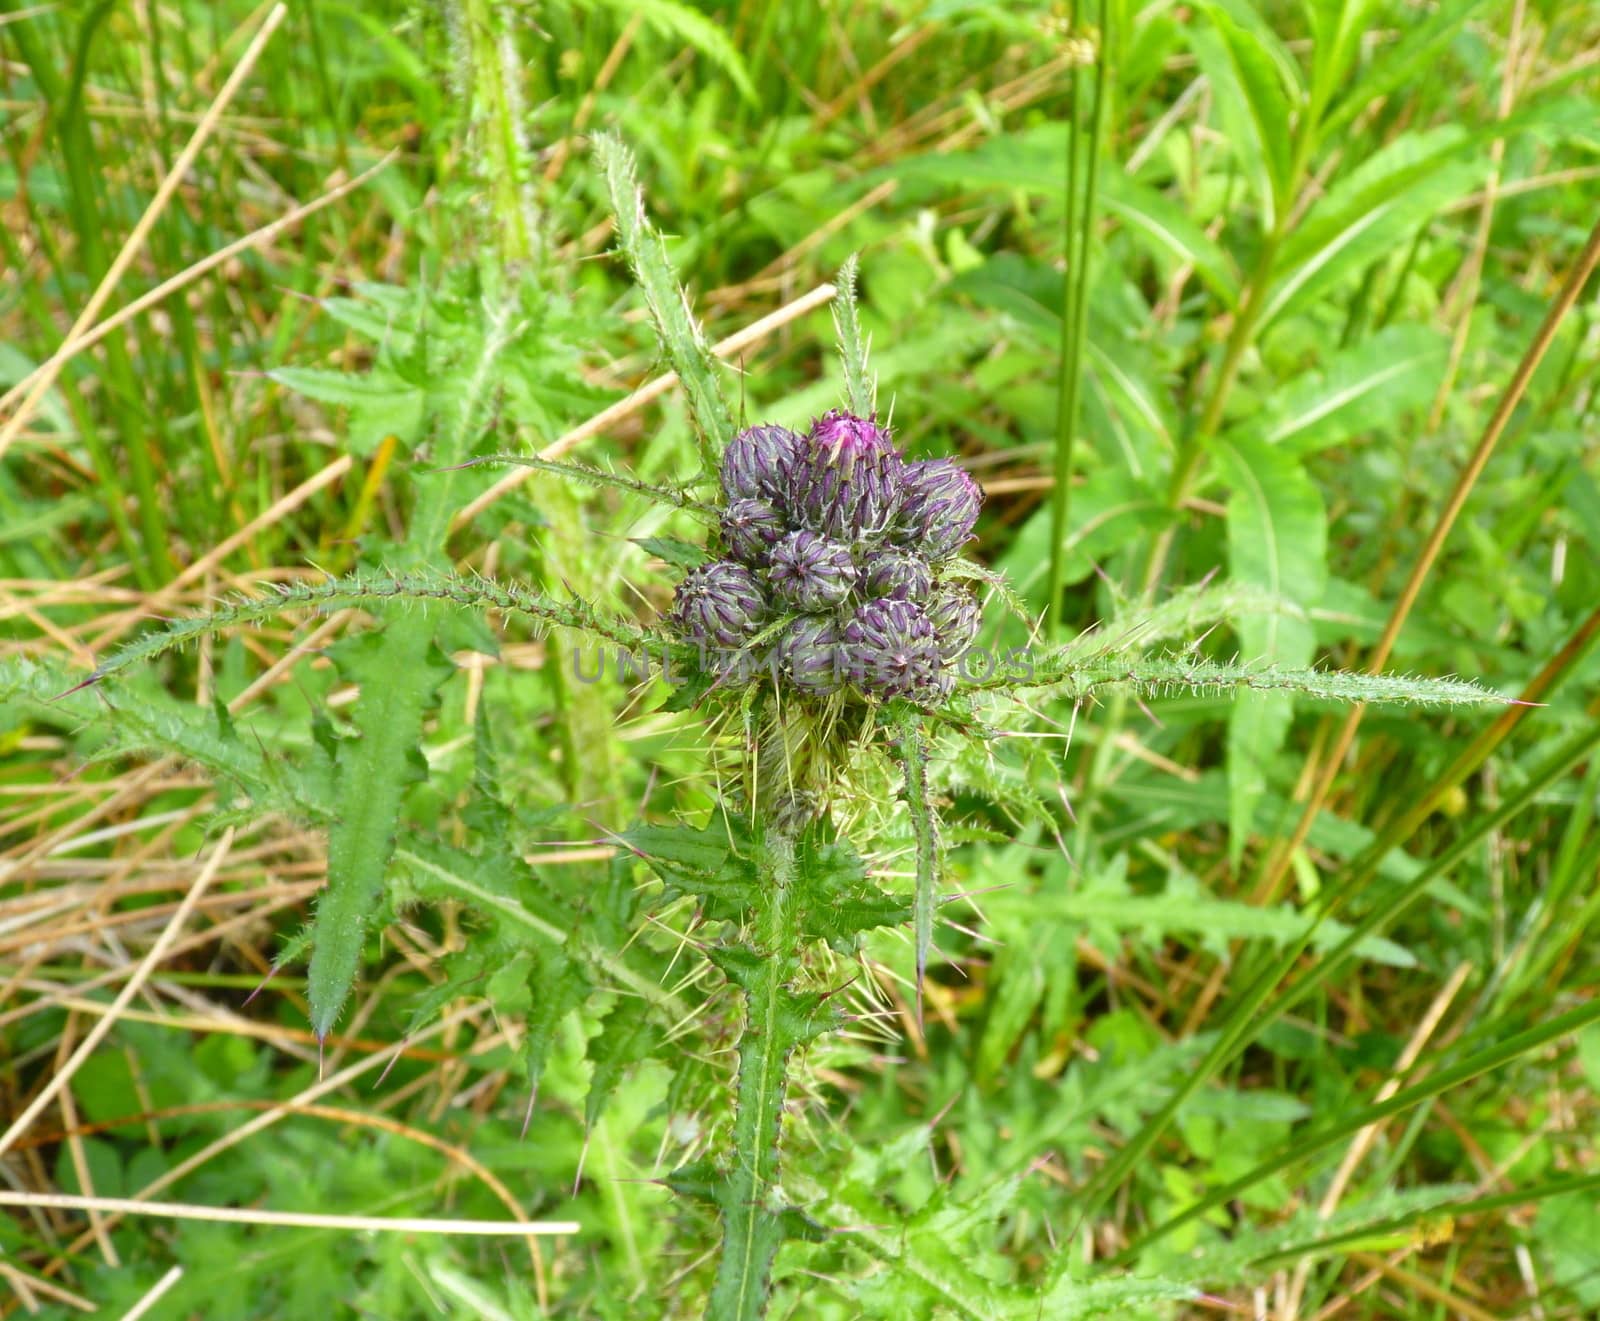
{"x": 776, "y": 1020}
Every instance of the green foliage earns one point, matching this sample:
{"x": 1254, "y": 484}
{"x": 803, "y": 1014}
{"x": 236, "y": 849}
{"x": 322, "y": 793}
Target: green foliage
{"x": 1214, "y": 301}
{"x": 682, "y": 340}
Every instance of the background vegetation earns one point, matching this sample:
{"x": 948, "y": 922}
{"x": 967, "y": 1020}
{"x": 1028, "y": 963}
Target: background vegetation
{"x": 1303, "y": 252}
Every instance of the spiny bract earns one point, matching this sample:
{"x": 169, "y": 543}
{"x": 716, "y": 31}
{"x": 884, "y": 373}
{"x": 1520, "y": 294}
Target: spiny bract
{"x": 836, "y": 537}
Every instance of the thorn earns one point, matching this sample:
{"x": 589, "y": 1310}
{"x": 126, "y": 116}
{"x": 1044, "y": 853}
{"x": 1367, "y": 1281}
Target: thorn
{"x": 322, "y": 1038}
{"x": 94, "y": 678}
{"x": 260, "y": 986}
{"x": 527, "y": 1114}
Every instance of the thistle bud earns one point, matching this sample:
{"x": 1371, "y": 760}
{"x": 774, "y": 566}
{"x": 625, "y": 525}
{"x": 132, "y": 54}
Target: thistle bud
{"x": 808, "y": 654}
{"x": 756, "y": 463}
{"x": 719, "y": 605}
{"x": 897, "y": 573}
{"x": 750, "y": 528}
{"x": 955, "y": 615}
{"x": 845, "y": 480}
{"x": 938, "y": 506}
{"x": 810, "y": 572}
{"x": 889, "y": 651}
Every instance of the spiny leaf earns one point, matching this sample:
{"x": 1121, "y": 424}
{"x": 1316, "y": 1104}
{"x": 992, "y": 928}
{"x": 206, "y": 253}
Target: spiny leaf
{"x": 859, "y": 392}
{"x": 1159, "y": 676}
{"x": 702, "y": 862}
{"x": 912, "y": 752}
{"x": 370, "y": 589}
{"x": 835, "y": 901}
{"x": 680, "y": 334}
{"x": 627, "y": 1036}
{"x": 777, "y": 1020}
{"x": 400, "y": 672}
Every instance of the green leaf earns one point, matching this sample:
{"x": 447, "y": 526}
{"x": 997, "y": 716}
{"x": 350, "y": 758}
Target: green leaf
{"x": 911, "y": 750}
{"x": 1336, "y": 28}
{"x": 400, "y": 672}
{"x": 835, "y": 901}
{"x": 702, "y": 861}
{"x": 557, "y": 986}
{"x": 1268, "y": 82}
{"x": 626, "y": 1037}
{"x": 1371, "y": 214}
{"x": 380, "y": 403}
{"x": 1277, "y": 541}
{"x": 684, "y": 24}
{"x": 1417, "y": 50}
{"x": 680, "y": 334}
{"x": 1367, "y": 388}
{"x": 1166, "y": 230}
{"x": 1236, "y": 115}
{"x": 680, "y": 554}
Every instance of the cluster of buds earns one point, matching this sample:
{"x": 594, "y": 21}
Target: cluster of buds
{"x": 832, "y": 580}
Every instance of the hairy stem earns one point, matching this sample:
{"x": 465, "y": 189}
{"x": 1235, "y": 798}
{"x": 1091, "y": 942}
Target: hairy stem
{"x": 776, "y": 1020}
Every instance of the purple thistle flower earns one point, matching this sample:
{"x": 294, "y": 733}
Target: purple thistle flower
{"x": 845, "y": 479}
{"x": 750, "y": 528}
{"x": 939, "y": 505}
{"x": 956, "y": 616}
{"x": 809, "y": 572}
{"x": 896, "y": 573}
{"x": 808, "y": 654}
{"x": 756, "y": 463}
{"x": 890, "y": 651}
{"x": 719, "y": 605}
{"x": 850, "y": 436}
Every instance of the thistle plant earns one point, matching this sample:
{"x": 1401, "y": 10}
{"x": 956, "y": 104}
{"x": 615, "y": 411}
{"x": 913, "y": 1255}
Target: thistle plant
{"x": 821, "y": 636}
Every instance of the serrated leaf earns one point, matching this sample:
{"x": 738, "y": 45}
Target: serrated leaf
{"x": 835, "y": 901}
{"x": 701, "y": 861}
{"x": 627, "y": 1036}
{"x": 400, "y": 672}
{"x": 680, "y": 334}
{"x": 557, "y": 987}
{"x": 911, "y": 750}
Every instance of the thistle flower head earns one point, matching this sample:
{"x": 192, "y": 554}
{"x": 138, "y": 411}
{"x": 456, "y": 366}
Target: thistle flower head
{"x": 890, "y": 651}
{"x": 902, "y": 574}
{"x": 750, "y": 528}
{"x": 836, "y": 532}
{"x": 846, "y": 438}
{"x": 845, "y": 478}
{"x": 810, "y": 572}
{"x": 939, "y": 505}
{"x": 719, "y": 605}
{"x": 807, "y": 654}
{"x": 954, "y": 612}
{"x": 756, "y": 463}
